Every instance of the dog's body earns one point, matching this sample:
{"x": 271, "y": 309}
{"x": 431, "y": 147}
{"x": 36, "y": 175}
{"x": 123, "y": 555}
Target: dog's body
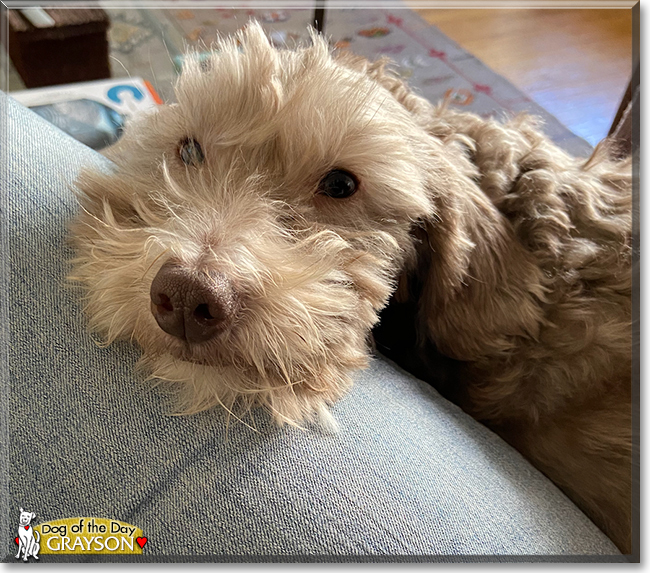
{"x": 28, "y": 540}
{"x": 250, "y": 235}
{"x": 540, "y": 323}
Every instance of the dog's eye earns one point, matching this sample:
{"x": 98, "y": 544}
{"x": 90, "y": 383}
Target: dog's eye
{"x": 338, "y": 184}
{"x": 190, "y": 152}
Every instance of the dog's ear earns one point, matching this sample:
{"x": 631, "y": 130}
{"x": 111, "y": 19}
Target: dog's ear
{"x": 475, "y": 285}
{"x": 33, "y": 515}
{"x": 21, "y": 510}
{"x": 480, "y": 289}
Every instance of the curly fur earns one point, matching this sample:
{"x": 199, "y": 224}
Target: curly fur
{"x": 516, "y": 255}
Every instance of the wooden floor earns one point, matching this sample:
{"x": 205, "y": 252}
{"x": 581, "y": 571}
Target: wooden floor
{"x": 575, "y": 63}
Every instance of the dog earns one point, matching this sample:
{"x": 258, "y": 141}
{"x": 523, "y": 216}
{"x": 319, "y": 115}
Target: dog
{"x": 251, "y": 233}
{"x": 28, "y": 539}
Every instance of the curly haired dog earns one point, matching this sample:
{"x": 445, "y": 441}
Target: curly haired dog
{"x": 250, "y": 234}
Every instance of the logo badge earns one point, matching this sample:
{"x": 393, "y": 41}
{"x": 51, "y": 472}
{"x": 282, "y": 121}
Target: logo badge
{"x": 77, "y": 536}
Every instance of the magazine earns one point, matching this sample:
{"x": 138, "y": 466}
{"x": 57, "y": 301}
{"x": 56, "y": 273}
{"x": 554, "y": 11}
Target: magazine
{"x": 92, "y": 112}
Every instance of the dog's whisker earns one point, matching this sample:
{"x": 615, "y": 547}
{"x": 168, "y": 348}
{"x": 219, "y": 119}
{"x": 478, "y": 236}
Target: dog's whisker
{"x": 231, "y": 413}
{"x": 285, "y": 419}
{"x": 135, "y": 329}
{"x": 158, "y": 257}
{"x": 121, "y": 64}
{"x": 376, "y": 112}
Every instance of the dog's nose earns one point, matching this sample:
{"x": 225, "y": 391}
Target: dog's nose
{"x": 191, "y": 305}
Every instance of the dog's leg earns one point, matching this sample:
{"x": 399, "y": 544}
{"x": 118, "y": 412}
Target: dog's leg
{"x": 37, "y": 546}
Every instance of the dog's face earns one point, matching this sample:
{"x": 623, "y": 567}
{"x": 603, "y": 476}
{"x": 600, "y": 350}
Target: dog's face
{"x": 26, "y": 517}
{"x": 249, "y": 234}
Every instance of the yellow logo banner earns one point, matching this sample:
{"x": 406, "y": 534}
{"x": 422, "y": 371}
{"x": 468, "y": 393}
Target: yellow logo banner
{"x": 85, "y": 535}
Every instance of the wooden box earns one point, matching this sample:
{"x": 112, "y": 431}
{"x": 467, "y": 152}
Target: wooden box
{"x": 74, "y": 49}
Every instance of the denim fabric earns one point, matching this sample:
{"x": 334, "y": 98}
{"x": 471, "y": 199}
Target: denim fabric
{"x": 407, "y": 473}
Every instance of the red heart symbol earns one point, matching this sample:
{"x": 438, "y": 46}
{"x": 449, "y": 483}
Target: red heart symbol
{"x": 16, "y": 540}
{"x": 141, "y": 541}
{"x": 26, "y": 527}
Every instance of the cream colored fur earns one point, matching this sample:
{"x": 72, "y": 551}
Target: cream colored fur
{"x": 521, "y": 253}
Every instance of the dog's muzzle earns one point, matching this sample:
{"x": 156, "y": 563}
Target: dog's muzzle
{"x": 190, "y": 305}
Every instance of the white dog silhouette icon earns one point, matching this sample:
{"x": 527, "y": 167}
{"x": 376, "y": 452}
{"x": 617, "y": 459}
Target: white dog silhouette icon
{"x": 28, "y": 539}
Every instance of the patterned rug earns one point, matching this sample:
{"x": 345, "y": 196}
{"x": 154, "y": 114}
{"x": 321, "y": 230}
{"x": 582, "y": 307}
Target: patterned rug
{"x": 150, "y": 43}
